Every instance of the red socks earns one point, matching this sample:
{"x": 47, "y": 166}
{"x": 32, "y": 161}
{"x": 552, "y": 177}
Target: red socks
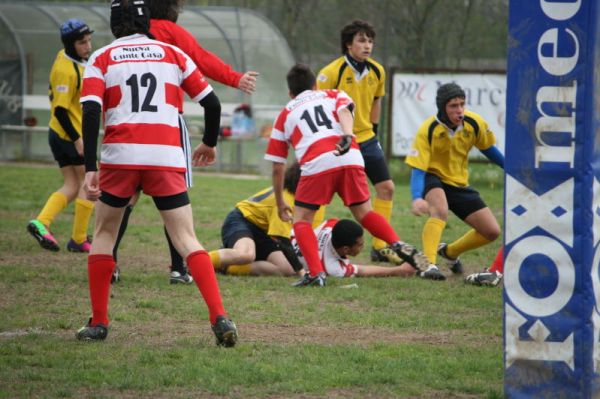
{"x": 202, "y": 270}
{"x": 498, "y": 263}
{"x": 307, "y": 241}
{"x": 100, "y": 269}
{"x": 379, "y": 227}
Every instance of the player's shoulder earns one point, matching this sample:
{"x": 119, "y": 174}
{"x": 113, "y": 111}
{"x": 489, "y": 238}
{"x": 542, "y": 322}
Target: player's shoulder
{"x": 429, "y": 124}
{"x": 331, "y": 70}
{"x": 377, "y": 68}
{"x": 474, "y": 120}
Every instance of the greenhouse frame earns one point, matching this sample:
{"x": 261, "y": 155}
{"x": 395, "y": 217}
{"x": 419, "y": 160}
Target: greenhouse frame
{"x": 29, "y": 41}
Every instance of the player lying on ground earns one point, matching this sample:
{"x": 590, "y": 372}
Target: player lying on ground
{"x": 255, "y": 240}
{"x": 340, "y": 239}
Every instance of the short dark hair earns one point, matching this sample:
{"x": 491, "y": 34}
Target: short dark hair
{"x": 165, "y": 9}
{"x": 292, "y": 177}
{"x": 300, "y": 78}
{"x": 345, "y": 232}
{"x": 349, "y": 31}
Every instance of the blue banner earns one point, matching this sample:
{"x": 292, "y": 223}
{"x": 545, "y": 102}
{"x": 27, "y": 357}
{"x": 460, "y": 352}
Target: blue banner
{"x": 552, "y": 200}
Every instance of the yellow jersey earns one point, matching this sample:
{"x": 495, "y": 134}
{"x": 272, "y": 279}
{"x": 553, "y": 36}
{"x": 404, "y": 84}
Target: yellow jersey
{"x": 362, "y": 88}
{"x": 443, "y": 152}
{"x": 261, "y": 210}
{"x": 64, "y": 90}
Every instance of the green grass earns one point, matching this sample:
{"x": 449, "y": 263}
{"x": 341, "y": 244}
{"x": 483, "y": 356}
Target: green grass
{"x": 388, "y": 338}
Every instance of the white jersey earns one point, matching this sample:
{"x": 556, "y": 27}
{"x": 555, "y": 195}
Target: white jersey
{"x": 310, "y": 124}
{"x": 334, "y": 264}
{"x": 137, "y": 81}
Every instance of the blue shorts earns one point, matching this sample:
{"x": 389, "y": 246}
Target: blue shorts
{"x": 236, "y": 226}
{"x": 375, "y": 165}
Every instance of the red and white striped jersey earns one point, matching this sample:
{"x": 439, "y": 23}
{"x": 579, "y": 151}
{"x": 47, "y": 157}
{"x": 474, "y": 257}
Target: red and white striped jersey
{"x": 310, "y": 123}
{"x": 137, "y": 81}
{"x": 334, "y": 264}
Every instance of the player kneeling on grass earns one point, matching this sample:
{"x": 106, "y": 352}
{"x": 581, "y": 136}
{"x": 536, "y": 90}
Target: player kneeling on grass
{"x": 318, "y": 125}
{"x": 340, "y": 239}
{"x": 136, "y": 80}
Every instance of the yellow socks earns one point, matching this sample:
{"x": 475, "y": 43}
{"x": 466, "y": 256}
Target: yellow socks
{"x": 81, "y": 220}
{"x": 431, "y": 236}
{"x": 215, "y": 258}
{"x": 470, "y": 240}
{"x": 54, "y": 205}
{"x": 239, "y": 270}
{"x": 384, "y": 208}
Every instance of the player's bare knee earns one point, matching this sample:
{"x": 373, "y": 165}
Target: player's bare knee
{"x": 491, "y": 234}
{"x": 385, "y": 190}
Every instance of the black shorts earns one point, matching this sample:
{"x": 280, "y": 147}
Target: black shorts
{"x": 236, "y": 226}
{"x": 375, "y": 166}
{"x": 63, "y": 150}
{"x": 462, "y": 201}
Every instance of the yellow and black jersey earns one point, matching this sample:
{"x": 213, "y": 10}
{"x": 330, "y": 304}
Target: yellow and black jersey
{"x": 64, "y": 91}
{"x": 261, "y": 210}
{"x": 439, "y": 150}
{"x": 362, "y": 88}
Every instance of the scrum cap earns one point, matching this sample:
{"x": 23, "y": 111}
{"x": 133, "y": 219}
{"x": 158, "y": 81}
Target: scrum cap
{"x": 445, "y": 93}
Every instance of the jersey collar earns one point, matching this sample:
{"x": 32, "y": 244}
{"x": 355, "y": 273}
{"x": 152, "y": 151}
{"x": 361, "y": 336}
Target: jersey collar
{"x": 351, "y": 63}
{"x": 131, "y": 37}
{"x": 83, "y": 63}
{"x": 451, "y": 131}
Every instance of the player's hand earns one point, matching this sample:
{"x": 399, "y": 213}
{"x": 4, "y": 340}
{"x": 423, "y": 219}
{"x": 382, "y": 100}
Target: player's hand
{"x": 343, "y": 145}
{"x": 79, "y": 146}
{"x": 420, "y": 207}
{"x": 247, "y": 82}
{"x": 285, "y": 212}
{"x": 204, "y": 155}
{"x": 91, "y": 186}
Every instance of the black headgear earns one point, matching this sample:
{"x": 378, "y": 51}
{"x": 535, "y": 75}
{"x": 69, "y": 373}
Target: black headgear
{"x": 71, "y": 31}
{"x": 445, "y": 93}
{"x": 135, "y": 15}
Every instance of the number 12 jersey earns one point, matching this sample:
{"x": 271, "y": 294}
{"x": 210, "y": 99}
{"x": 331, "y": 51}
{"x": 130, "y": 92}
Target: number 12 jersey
{"x": 137, "y": 81}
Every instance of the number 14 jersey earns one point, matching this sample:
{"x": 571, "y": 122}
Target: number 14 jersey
{"x": 137, "y": 81}
{"x": 310, "y": 124}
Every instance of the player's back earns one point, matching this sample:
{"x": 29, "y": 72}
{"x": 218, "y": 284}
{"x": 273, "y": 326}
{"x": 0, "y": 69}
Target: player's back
{"x": 137, "y": 80}
{"x": 310, "y": 123}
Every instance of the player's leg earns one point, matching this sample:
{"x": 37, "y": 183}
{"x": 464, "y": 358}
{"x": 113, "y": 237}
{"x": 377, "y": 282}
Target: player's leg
{"x": 81, "y": 219}
{"x": 436, "y": 223}
{"x": 109, "y": 212}
{"x": 178, "y": 220}
{"x": 122, "y": 228}
{"x": 468, "y": 206}
{"x": 311, "y": 193}
{"x": 179, "y": 273}
{"x": 306, "y": 238}
{"x": 498, "y": 263}
{"x": 269, "y": 259}
{"x": 66, "y": 156}
{"x": 239, "y": 247}
{"x": 378, "y": 174}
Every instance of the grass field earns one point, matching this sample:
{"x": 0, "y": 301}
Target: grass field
{"x": 388, "y": 338}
